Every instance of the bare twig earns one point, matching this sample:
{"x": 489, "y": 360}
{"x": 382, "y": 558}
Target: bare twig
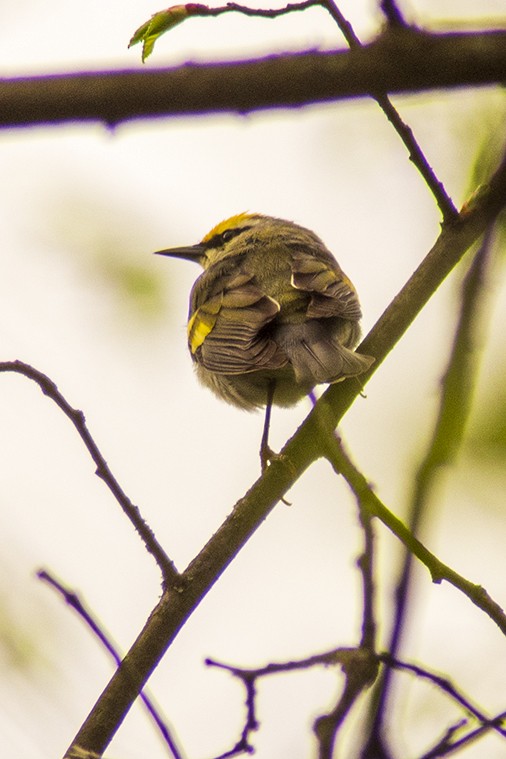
{"x": 365, "y": 563}
{"x": 48, "y": 387}
{"x": 358, "y": 664}
{"x": 259, "y": 12}
{"x": 439, "y": 571}
{"x": 357, "y": 677}
{"x": 416, "y": 154}
{"x": 72, "y": 599}
{"x": 392, "y": 13}
{"x": 366, "y": 566}
{"x": 363, "y": 665}
{"x": 360, "y": 672}
{"x": 447, "y": 746}
{"x": 445, "y": 685}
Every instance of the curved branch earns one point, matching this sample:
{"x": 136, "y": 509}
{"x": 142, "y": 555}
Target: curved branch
{"x": 401, "y": 60}
{"x": 169, "y": 572}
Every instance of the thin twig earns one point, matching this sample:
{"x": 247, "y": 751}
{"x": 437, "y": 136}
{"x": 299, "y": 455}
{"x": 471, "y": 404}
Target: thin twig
{"x": 262, "y": 12}
{"x": 365, "y": 563}
{"x": 353, "y": 660}
{"x": 358, "y": 664}
{"x": 360, "y": 672}
{"x": 72, "y": 599}
{"x": 48, "y": 387}
{"x": 342, "y": 464}
{"x": 446, "y": 206}
{"x": 445, "y": 746}
{"x": 393, "y": 13}
{"x": 357, "y": 678}
{"x": 493, "y": 723}
{"x": 366, "y": 566}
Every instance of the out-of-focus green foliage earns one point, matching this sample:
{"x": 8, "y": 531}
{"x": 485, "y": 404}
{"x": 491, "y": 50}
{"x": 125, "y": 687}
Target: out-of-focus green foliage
{"x": 18, "y": 648}
{"x": 490, "y": 148}
{"x": 134, "y": 283}
{"x": 120, "y": 264}
{"x": 487, "y": 435}
{"x": 488, "y": 155}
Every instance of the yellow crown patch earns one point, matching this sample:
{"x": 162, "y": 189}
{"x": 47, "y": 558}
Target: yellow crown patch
{"x": 231, "y": 223}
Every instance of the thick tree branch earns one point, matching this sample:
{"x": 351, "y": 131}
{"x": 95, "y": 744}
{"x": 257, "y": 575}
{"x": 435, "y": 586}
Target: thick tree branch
{"x": 401, "y": 60}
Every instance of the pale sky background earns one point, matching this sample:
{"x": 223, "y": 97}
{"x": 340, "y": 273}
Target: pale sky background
{"x": 81, "y": 209}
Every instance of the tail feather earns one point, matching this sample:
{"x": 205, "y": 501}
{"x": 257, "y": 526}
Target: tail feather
{"x": 317, "y": 356}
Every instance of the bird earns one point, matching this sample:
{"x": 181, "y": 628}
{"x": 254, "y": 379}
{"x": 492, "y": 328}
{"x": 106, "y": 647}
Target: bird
{"x": 271, "y": 316}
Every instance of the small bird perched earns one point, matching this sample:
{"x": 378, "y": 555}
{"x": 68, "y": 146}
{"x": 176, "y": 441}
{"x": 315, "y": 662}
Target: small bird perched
{"x": 271, "y": 316}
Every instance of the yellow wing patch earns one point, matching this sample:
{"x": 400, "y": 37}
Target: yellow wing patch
{"x": 197, "y": 332}
{"x": 202, "y": 322}
{"x": 231, "y": 223}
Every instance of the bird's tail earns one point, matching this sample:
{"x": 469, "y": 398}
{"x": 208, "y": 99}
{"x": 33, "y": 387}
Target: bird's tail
{"x": 317, "y": 355}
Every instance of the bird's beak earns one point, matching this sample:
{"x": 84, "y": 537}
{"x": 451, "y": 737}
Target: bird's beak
{"x": 190, "y": 253}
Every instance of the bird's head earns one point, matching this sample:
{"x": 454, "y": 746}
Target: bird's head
{"x": 227, "y": 238}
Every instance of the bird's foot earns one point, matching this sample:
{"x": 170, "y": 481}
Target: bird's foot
{"x": 267, "y": 457}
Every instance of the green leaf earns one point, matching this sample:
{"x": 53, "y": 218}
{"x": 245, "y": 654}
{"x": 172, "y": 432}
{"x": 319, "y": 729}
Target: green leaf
{"x": 162, "y": 22}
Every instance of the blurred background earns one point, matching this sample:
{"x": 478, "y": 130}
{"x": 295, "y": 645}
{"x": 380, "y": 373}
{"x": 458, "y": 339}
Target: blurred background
{"x": 83, "y": 299}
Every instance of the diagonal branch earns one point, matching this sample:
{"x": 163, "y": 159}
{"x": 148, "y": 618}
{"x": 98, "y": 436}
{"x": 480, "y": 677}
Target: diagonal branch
{"x": 446, "y": 746}
{"x": 445, "y": 203}
{"x": 447, "y": 687}
{"x": 429, "y": 61}
{"x": 175, "y": 608}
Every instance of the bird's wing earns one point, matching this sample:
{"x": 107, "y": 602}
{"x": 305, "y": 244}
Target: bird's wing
{"x": 225, "y": 329}
{"x": 331, "y": 292}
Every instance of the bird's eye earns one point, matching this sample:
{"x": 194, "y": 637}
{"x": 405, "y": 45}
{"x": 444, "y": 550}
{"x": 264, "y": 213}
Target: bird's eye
{"x": 228, "y": 234}
{"x": 223, "y": 237}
